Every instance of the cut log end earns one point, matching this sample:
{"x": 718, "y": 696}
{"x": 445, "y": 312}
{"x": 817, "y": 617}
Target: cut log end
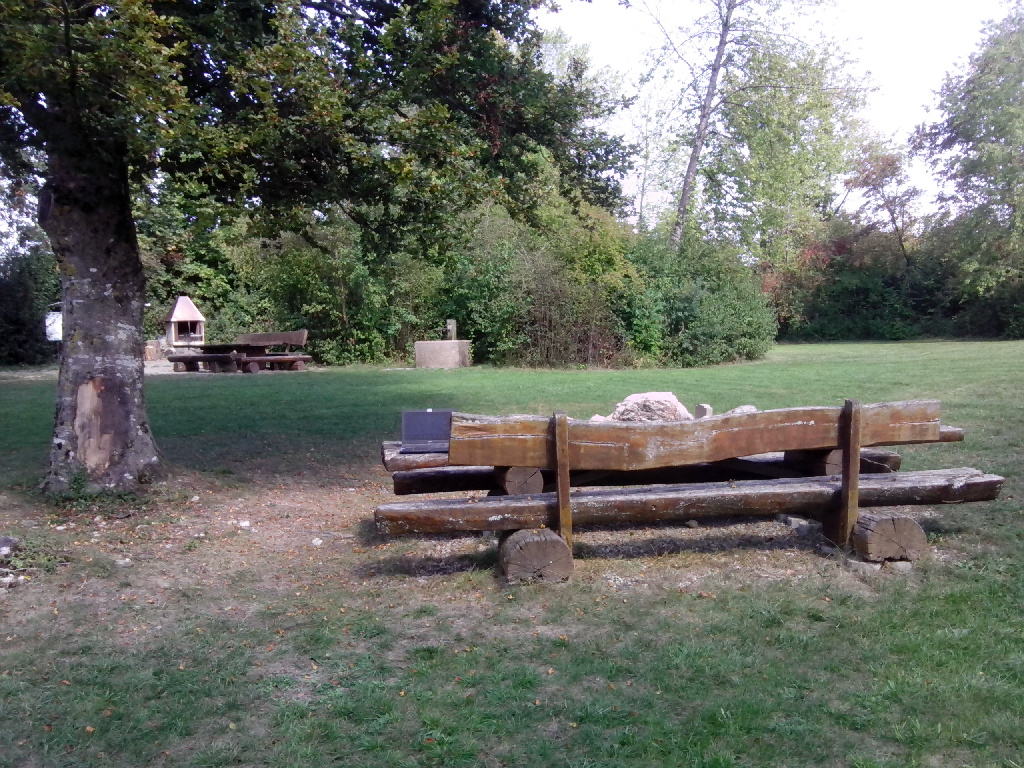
{"x": 889, "y": 537}
{"x": 519, "y": 480}
{"x": 535, "y": 554}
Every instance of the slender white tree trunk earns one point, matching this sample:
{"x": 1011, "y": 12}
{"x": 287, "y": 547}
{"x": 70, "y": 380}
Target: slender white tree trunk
{"x": 707, "y": 108}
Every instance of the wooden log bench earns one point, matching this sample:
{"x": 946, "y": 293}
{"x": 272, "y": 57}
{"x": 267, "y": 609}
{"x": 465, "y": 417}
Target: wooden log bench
{"x": 250, "y": 353}
{"x": 226, "y": 362}
{"x": 819, "y": 462}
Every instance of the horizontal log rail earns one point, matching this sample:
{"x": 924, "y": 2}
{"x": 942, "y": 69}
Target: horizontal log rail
{"x": 812, "y": 497}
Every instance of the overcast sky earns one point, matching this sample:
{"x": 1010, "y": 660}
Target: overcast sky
{"x": 906, "y": 46}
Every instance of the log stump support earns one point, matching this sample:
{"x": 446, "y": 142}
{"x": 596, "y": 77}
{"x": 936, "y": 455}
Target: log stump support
{"x": 535, "y": 554}
{"x": 889, "y": 537}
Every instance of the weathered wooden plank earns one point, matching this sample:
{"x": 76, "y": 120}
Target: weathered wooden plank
{"x": 560, "y": 423}
{"x": 525, "y": 440}
{"x": 950, "y": 434}
{"x": 839, "y": 526}
{"x": 801, "y": 496}
{"x": 519, "y": 480}
{"x": 396, "y": 461}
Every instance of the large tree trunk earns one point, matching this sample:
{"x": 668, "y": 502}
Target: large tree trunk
{"x": 101, "y": 433}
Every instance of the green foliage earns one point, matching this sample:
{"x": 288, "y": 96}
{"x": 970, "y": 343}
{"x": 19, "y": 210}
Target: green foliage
{"x": 710, "y": 303}
{"x": 29, "y": 284}
{"x": 977, "y": 147}
{"x": 781, "y": 143}
{"x": 485, "y": 289}
{"x": 858, "y": 302}
{"x": 321, "y": 280}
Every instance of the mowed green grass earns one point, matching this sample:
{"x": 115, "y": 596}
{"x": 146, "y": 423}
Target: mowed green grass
{"x": 926, "y": 670}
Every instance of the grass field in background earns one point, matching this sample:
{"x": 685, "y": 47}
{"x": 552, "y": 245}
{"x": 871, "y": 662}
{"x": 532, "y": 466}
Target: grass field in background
{"x": 457, "y": 670}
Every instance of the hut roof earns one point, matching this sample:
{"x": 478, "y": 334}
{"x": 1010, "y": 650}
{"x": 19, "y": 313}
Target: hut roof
{"x": 184, "y": 311}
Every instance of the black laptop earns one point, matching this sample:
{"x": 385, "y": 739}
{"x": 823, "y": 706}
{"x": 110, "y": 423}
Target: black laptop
{"x": 426, "y": 431}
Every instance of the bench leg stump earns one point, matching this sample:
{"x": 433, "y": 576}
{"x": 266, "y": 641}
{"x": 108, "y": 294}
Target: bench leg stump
{"x": 535, "y": 554}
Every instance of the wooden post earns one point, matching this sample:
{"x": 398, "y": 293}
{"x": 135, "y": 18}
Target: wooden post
{"x": 560, "y": 422}
{"x": 841, "y": 523}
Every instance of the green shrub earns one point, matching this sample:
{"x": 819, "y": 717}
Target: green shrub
{"x": 28, "y": 284}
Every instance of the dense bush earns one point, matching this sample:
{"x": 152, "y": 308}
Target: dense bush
{"x": 702, "y": 306}
{"x": 28, "y": 285}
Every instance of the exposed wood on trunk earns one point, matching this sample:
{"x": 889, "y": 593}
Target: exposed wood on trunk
{"x": 889, "y": 537}
{"x": 809, "y": 497}
{"x": 537, "y": 554}
{"x": 525, "y": 440}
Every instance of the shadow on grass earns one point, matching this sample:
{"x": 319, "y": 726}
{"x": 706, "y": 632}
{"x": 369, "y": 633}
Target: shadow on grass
{"x": 635, "y": 548}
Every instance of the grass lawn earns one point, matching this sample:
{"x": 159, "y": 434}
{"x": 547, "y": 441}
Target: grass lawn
{"x": 245, "y": 613}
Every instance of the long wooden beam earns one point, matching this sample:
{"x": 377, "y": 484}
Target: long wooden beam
{"x": 525, "y": 441}
{"x": 803, "y": 496}
{"x": 793, "y": 464}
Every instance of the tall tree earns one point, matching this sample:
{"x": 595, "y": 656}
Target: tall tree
{"x": 729, "y": 56}
{"x": 782, "y": 139}
{"x": 880, "y": 176}
{"x": 400, "y": 111}
{"x": 977, "y": 147}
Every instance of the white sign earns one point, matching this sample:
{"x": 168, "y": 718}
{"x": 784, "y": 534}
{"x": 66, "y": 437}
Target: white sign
{"x": 54, "y": 326}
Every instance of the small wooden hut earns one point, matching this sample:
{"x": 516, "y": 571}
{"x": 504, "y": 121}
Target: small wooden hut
{"x": 186, "y": 326}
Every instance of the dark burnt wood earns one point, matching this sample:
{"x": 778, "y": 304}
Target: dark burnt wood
{"x": 444, "y": 480}
{"x": 809, "y": 497}
{"x": 872, "y": 461}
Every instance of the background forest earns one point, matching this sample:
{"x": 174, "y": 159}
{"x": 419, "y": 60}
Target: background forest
{"x": 759, "y": 207}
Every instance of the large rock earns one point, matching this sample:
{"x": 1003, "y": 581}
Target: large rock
{"x": 741, "y": 410}
{"x": 651, "y": 406}
{"x": 8, "y": 547}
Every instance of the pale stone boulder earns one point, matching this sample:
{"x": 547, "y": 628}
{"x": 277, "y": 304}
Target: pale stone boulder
{"x": 651, "y": 406}
{"x": 741, "y": 410}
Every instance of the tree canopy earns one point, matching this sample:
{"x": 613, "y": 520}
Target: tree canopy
{"x": 399, "y": 112}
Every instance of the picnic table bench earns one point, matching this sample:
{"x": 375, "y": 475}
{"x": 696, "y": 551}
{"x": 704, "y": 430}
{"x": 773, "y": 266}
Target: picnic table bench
{"x": 250, "y": 352}
{"x": 819, "y": 462}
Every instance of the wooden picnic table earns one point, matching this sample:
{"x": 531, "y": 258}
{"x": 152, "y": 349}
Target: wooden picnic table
{"x": 249, "y": 353}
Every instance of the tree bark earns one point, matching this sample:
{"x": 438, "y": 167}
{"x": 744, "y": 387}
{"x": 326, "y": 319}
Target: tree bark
{"x": 101, "y": 434}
